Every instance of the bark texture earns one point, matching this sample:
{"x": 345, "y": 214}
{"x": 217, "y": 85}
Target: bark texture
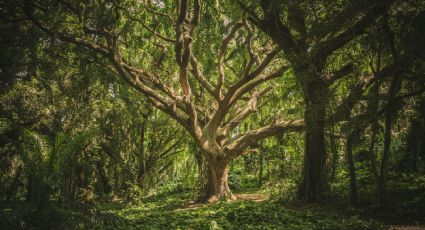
{"x": 219, "y": 171}
{"x": 313, "y": 185}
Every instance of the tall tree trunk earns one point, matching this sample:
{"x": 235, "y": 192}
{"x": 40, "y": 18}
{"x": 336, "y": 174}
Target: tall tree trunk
{"x": 389, "y": 119}
{"x": 314, "y": 181}
{"x": 350, "y": 161}
{"x": 382, "y": 183}
{"x": 334, "y": 149}
{"x": 390, "y": 114}
{"x": 219, "y": 171}
{"x": 373, "y": 111}
{"x": 260, "y": 170}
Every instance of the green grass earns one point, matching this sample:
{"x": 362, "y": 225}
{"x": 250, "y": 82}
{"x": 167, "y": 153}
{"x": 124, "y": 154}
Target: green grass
{"x": 173, "y": 210}
{"x": 169, "y": 212}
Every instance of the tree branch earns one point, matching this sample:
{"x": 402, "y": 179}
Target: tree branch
{"x": 63, "y": 36}
{"x": 324, "y": 49}
{"x": 231, "y": 97}
{"x": 248, "y": 86}
{"x": 343, "y": 111}
{"x": 183, "y": 47}
{"x": 242, "y": 114}
{"x": 272, "y": 25}
{"x": 334, "y": 24}
{"x": 167, "y": 39}
{"x": 223, "y": 48}
{"x": 342, "y": 72}
{"x": 242, "y": 141}
{"x": 199, "y": 76}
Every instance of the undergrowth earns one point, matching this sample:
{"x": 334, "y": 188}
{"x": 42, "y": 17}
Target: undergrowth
{"x": 172, "y": 209}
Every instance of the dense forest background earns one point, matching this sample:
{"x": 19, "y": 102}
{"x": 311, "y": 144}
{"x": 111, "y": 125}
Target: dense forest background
{"x": 155, "y": 114}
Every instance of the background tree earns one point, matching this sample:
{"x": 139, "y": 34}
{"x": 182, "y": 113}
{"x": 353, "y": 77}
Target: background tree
{"x": 312, "y": 35}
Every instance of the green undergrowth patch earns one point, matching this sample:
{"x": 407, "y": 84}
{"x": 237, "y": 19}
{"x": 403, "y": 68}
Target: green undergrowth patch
{"x": 173, "y": 212}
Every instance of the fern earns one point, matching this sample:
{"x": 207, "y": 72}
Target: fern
{"x": 34, "y": 144}
{"x": 53, "y": 162}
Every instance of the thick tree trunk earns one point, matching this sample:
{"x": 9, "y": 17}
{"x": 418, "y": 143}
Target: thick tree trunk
{"x": 204, "y": 184}
{"x": 219, "y": 172}
{"x": 314, "y": 180}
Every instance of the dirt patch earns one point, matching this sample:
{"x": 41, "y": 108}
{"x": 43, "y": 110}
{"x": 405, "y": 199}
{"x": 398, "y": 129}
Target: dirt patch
{"x": 255, "y": 197}
{"x": 252, "y": 197}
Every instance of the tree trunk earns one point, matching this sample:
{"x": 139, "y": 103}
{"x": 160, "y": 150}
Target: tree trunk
{"x": 204, "y": 184}
{"x": 390, "y": 116}
{"x": 373, "y": 111}
{"x": 382, "y": 183}
{"x": 219, "y": 172}
{"x": 314, "y": 179}
{"x": 260, "y": 171}
{"x": 350, "y": 161}
{"x": 334, "y": 149}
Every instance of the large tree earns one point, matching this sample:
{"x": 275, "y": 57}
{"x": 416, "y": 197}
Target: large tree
{"x": 208, "y": 95}
{"x": 311, "y": 34}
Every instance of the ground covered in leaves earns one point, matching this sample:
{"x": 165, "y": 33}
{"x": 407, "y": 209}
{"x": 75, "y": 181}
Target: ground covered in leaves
{"x": 174, "y": 210}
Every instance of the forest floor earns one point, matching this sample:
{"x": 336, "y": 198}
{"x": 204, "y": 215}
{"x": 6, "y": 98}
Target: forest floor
{"x": 253, "y": 210}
